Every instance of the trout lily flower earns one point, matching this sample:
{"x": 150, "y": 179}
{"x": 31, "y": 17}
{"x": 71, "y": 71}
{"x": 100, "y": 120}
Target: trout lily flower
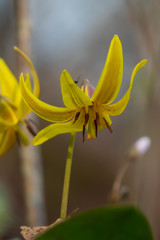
{"x": 13, "y": 108}
{"x": 86, "y": 108}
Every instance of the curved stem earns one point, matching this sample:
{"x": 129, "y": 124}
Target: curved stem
{"x": 116, "y": 194}
{"x": 67, "y": 177}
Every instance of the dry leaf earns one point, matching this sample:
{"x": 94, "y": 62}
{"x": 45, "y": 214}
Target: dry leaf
{"x": 30, "y": 233}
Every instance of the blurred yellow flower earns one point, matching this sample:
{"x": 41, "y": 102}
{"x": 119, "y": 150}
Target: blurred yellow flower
{"x": 86, "y": 108}
{"x": 13, "y": 109}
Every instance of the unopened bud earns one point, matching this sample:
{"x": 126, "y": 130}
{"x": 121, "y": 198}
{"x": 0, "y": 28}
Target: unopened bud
{"x": 140, "y": 147}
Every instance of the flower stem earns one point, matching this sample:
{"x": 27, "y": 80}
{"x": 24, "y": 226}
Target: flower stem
{"x": 67, "y": 177}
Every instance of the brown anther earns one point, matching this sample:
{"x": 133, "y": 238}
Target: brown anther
{"x": 95, "y": 123}
{"x": 97, "y": 119}
{"x": 30, "y": 128}
{"x": 108, "y": 126}
{"x": 85, "y": 123}
{"x": 83, "y": 133}
{"x": 86, "y": 118}
{"x": 76, "y": 117}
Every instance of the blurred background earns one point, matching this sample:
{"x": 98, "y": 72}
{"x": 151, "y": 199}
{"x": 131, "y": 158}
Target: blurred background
{"x": 75, "y": 35}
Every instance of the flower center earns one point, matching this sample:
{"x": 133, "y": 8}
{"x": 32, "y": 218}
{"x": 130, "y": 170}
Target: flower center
{"x": 93, "y": 117}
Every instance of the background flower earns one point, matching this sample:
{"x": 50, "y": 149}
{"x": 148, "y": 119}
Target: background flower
{"x": 13, "y": 109}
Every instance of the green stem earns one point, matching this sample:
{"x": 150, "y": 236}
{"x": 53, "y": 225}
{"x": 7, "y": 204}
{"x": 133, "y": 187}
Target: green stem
{"x": 67, "y": 177}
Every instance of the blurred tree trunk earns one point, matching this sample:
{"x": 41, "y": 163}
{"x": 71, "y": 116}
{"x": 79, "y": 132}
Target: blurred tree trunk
{"x": 31, "y": 161}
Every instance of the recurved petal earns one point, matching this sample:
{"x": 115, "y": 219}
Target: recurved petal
{"x": 36, "y": 87}
{"x": 110, "y": 80}
{"x": 72, "y": 95}
{"x": 8, "y": 84}
{"x": 59, "y": 128}
{"x": 117, "y": 108}
{"x": 7, "y": 140}
{"x": 44, "y": 110}
{"x": 23, "y": 108}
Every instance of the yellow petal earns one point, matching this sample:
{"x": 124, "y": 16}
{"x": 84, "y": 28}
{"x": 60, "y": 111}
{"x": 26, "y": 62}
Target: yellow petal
{"x": 73, "y": 96}
{"x": 8, "y": 84}
{"x": 117, "y": 108}
{"x": 110, "y": 81}
{"x": 7, "y": 140}
{"x": 23, "y": 108}
{"x": 59, "y": 128}
{"x": 44, "y": 110}
{"x": 8, "y": 113}
{"x": 4, "y": 125}
{"x": 36, "y": 88}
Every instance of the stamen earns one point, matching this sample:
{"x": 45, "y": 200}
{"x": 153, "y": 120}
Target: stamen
{"x": 86, "y": 118}
{"x": 30, "y": 128}
{"x": 97, "y": 119}
{"x": 76, "y": 117}
{"x": 83, "y": 133}
{"x": 108, "y": 126}
{"x": 85, "y": 123}
{"x": 95, "y": 123}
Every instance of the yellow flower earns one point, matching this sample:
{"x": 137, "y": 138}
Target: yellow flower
{"x": 13, "y": 109}
{"x": 85, "y": 108}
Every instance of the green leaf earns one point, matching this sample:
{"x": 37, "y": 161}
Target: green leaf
{"x": 109, "y": 223}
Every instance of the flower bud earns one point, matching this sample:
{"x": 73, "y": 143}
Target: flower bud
{"x": 140, "y": 147}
